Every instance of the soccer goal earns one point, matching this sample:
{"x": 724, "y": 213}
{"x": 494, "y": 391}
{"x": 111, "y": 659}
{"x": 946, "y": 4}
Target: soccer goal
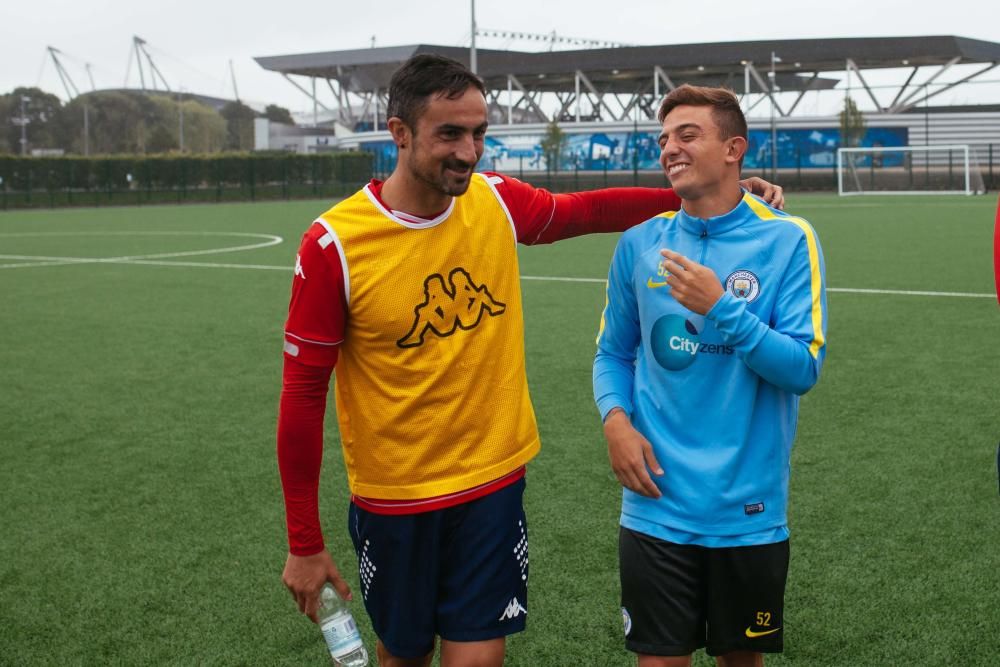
{"x": 908, "y": 170}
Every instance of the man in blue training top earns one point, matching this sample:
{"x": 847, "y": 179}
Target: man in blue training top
{"x": 714, "y": 326}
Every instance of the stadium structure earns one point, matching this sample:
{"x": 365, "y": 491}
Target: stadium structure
{"x": 605, "y": 99}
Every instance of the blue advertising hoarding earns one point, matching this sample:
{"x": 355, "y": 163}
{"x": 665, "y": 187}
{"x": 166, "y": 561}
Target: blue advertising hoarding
{"x": 798, "y": 148}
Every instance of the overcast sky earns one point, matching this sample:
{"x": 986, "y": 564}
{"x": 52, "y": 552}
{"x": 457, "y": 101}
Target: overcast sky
{"x": 192, "y": 41}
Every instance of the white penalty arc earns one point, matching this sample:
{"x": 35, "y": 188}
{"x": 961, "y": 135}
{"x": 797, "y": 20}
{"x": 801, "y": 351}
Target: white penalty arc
{"x": 26, "y": 261}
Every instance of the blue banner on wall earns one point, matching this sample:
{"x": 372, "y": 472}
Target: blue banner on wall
{"x": 800, "y": 148}
{"x": 815, "y": 148}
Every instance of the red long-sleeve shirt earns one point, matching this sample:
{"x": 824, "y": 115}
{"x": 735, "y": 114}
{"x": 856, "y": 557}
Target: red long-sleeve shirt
{"x": 318, "y": 316}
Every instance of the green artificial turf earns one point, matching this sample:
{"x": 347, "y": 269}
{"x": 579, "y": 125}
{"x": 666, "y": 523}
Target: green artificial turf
{"x": 141, "y": 519}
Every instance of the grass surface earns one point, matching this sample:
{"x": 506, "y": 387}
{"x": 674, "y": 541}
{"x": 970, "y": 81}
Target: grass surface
{"x": 142, "y": 520}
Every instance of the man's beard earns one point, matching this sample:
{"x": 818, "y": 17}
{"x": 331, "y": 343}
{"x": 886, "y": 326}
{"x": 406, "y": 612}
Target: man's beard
{"x": 439, "y": 180}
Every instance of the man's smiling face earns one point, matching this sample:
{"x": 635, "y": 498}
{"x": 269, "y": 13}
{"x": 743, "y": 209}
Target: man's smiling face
{"x": 692, "y": 151}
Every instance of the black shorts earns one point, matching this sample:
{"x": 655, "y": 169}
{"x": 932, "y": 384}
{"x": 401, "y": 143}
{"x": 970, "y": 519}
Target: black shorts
{"x": 460, "y": 573}
{"x": 677, "y": 598}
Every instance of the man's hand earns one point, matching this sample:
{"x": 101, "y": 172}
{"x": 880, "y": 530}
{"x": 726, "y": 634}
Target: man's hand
{"x": 631, "y": 455}
{"x": 304, "y": 576}
{"x": 774, "y": 195}
{"x": 695, "y": 286}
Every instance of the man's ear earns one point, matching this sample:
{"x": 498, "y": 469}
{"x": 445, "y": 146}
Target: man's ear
{"x": 736, "y": 148}
{"x": 402, "y": 136}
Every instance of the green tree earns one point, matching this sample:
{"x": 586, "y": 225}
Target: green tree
{"x": 239, "y": 126}
{"x": 277, "y": 114}
{"x": 6, "y": 117}
{"x": 552, "y": 144}
{"x": 42, "y": 111}
{"x": 207, "y": 133}
{"x": 119, "y": 122}
{"x": 852, "y": 124}
{"x": 132, "y": 122}
{"x": 204, "y": 128}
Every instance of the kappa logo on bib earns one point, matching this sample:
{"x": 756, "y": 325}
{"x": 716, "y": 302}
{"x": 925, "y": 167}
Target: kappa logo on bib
{"x": 448, "y": 307}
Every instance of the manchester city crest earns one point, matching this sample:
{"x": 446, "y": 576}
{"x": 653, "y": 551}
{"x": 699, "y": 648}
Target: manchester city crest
{"x": 743, "y": 285}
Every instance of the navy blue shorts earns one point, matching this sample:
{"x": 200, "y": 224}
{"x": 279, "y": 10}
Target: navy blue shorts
{"x": 460, "y": 573}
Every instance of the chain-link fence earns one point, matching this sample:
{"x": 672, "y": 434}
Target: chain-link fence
{"x": 137, "y": 181}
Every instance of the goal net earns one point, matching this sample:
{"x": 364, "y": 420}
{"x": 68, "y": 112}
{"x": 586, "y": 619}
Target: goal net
{"x": 907, "y": 170}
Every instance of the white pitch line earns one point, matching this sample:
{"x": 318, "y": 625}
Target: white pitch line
{"x": 897, "y": 292}
{"x": 35, "y": 260}
{"x": 560, "y": 279}
{"x": 848, "y": 290}
{"x": 207, "y": 265}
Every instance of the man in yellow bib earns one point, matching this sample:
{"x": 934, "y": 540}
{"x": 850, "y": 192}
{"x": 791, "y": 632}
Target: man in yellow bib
{"x": 411, "y": 288}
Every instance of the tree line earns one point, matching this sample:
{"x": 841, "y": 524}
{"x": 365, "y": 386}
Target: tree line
{"x": 126, "y": 122}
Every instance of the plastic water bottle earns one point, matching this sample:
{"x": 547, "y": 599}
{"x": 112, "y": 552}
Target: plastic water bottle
{"x": 339, "y": 630}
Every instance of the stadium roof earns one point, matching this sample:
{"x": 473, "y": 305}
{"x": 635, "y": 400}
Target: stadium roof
{"x": 637, "y": 70}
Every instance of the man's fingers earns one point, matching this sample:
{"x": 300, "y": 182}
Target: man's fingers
{"x": 635, "y": 477}
{"x": 674, "y": 262}
{"x": 311, "y": 606}
{"x": 631, "y": 481}
{"x": 300, "y": 601}
{"x": 339, "y": 585}
{"x": 625, "y": 479}
{"x": 645, "y": 485}
{"x": 650, "y": 458}
{"x": 777, "y": 199}
{"x": 649, "y": 462}
{"x": 774, "y": 195}
{"x": 675, "y": 257}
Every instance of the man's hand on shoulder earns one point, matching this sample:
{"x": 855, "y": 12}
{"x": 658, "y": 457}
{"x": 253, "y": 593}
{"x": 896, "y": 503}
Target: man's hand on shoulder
{"x": 631, "y": 455}
{"x": 774, "y": 195}
{"x": 304, "y": 577}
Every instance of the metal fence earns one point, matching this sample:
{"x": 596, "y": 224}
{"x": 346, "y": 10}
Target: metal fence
{"x": 136, "y": 181}
{"x": 54, "y": 182}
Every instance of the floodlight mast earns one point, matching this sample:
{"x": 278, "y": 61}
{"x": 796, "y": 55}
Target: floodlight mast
{"x": 472, "y": 49}
{"x": 67, "y": 81}
{"x": 24, "y": 125}
{"x": 232, "y": 74}
{"x": 139, "y": 44}
{"x": 774, "y": 127}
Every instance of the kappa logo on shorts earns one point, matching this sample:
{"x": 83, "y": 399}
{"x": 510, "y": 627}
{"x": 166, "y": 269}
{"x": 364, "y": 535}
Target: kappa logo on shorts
{"x": 513, "y": 610}
{"x": 447, "y": 308}
{"x": 627, "y": 620}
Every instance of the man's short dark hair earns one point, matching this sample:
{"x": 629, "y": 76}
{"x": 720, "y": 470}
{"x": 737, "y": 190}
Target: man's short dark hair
{"x": 425, "y": 75}
{"x": 726, "y": 110}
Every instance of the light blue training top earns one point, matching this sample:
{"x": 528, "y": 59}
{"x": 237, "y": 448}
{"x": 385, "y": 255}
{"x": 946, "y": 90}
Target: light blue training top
{"x": 717, "y": 395}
